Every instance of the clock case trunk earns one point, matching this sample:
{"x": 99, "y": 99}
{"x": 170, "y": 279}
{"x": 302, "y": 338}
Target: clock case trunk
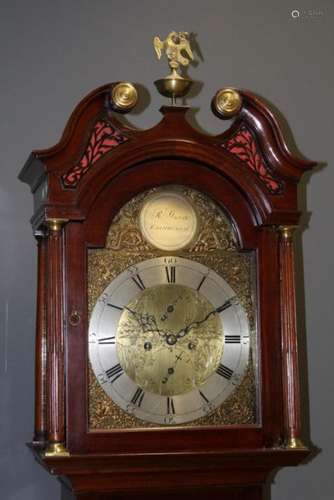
{"x": 79, "y": 185}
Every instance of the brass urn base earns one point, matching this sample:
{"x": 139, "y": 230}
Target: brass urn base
{"x": 173, "y": 87}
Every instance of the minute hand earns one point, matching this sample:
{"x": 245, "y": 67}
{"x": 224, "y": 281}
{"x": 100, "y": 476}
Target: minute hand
{"x": 195, "y": 324}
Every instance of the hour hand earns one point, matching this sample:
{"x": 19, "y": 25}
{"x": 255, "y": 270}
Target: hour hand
{"x": 147, "y": 322}
{"x": 143, "y": 319}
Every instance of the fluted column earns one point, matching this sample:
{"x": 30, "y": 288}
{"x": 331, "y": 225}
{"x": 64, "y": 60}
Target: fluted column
{"x": 40, "y": 433}
{"x": 55, "y": 341}
{"x": 289, "y": 340}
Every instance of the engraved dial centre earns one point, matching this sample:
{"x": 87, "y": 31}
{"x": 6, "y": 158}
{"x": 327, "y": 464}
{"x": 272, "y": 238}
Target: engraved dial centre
{"x": 169, "y": 339}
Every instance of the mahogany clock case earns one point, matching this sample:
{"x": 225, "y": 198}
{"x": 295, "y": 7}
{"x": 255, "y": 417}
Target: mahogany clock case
{"x": 79, "y": 186}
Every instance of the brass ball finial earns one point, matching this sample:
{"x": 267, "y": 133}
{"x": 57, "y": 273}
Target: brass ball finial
{"x": 227, "y": 103}
{"x": 124, "y": 97}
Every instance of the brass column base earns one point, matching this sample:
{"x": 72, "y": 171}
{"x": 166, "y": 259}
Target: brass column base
{"x": 56, "y": 450}
{"x": 295, "y": 443}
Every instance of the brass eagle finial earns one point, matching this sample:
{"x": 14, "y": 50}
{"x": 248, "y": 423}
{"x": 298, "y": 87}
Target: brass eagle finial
{"x": 179, "y": 53}
{"x": 174, "y": 44}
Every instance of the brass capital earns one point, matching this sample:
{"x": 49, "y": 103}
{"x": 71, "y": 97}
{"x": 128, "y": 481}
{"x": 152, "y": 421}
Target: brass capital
{"x": 56, "y": 224}
{"x": 287, "y": 231}
{"x": 56, "y": 450}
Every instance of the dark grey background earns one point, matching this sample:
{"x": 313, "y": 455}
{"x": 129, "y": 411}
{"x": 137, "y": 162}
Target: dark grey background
{"x": 52, "y": 54}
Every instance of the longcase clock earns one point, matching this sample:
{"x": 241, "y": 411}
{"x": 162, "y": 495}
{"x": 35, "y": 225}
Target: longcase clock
{"x": 166, "y": 346}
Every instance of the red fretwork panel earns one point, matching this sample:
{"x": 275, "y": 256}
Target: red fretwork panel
{"x": 243, "y": 145}
{"x": 104, "y": 137}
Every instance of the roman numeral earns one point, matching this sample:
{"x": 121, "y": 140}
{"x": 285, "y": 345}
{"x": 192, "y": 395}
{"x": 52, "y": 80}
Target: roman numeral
{"x": 204, "y": 396}
{"x": 170, "y": 274}
{"x": 232, "y": 339}
{"x": 107, "y": 340}
{"x": 226, "y": 305}
{"x": 201, "y": 283}
{"x": 170, "y": 406}
{"x": 224, "y": 371}
{"x": 114, "y": 373}
{"x": 139, "y": 282}
{"x": 115, "y": 307}
{"x": 138, "y": 397}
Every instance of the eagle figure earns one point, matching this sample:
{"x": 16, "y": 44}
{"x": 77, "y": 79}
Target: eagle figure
{"x": 174, "y": 45}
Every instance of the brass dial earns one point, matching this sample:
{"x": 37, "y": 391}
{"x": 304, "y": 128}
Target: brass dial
{"x": 169, "y": 340}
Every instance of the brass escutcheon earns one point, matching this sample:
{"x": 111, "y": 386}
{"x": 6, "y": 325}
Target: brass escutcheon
{"x": 74, "y": 318}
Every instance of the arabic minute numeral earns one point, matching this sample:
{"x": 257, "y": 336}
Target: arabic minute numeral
{"x": 170, "y": 260}
{"x": 168, "y": 419}
{"x": 102, "y": 378}
{"x": 104, "y": 297}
